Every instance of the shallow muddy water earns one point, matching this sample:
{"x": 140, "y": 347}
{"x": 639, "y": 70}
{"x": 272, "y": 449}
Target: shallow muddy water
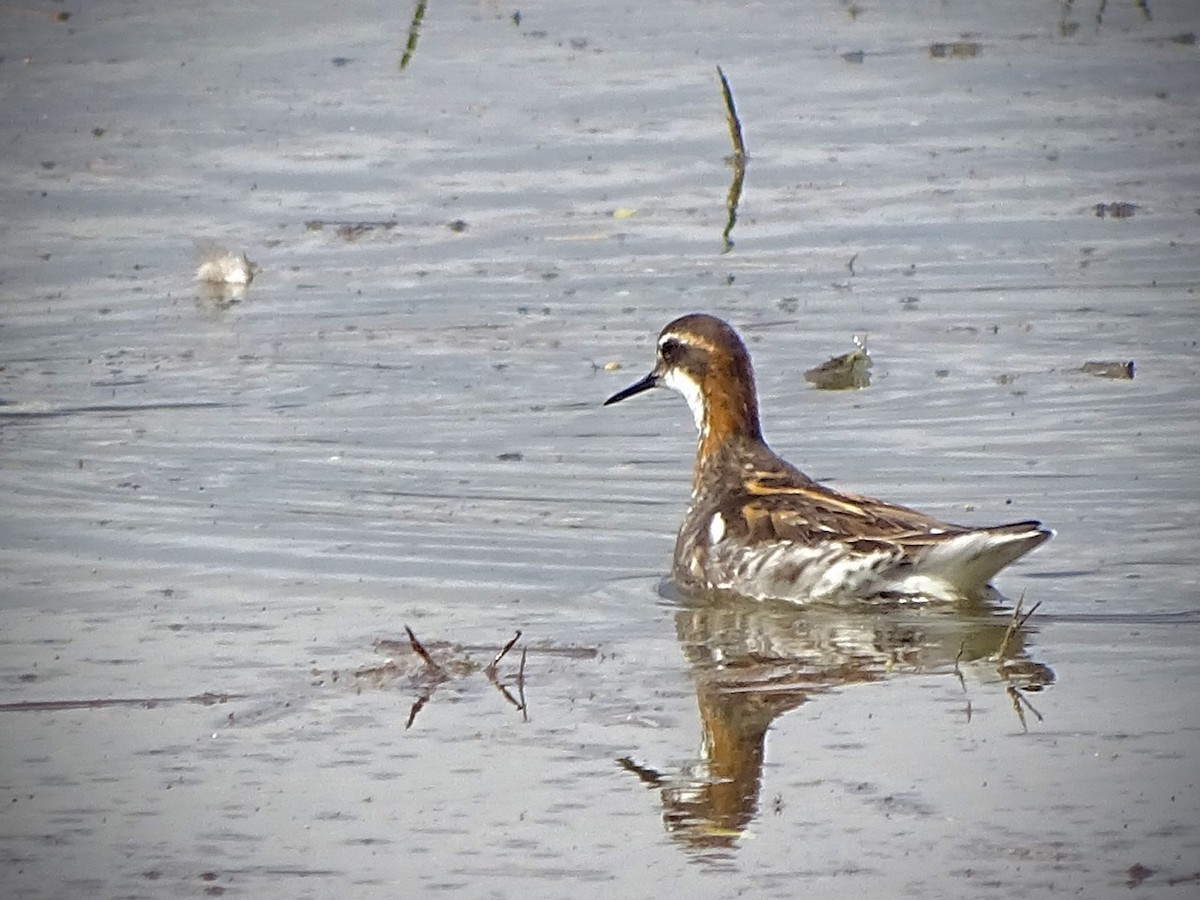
{"x": 221, "y": 511}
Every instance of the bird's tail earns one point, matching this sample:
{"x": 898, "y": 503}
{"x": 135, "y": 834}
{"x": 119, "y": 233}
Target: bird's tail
{"x": 970, "y": 560}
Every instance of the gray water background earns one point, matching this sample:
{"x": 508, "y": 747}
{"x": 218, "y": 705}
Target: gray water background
{"x": 402, "y": 427}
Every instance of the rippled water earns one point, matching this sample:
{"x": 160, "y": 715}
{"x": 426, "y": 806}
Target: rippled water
{"x": 214, "y": 510}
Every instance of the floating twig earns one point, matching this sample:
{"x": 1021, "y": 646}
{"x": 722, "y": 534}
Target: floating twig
{"x": 737, "y": 160}
{"x": 416, "y": 708}
{"x": 414, "y": 33}
{"x": 962, "y": 648}
{"x": 490, "y": 672}
{"x": 732, "y": 199}
{"x": 731, "y": 119}
{"x": 455, "y": 663}
{"x": 503, "y": 651}
{"x": 1015, "y": 625}
{"x": 1027, "y": 615}
{"x": 504, "y": 691}
{"x": 521, "y": 687}
{"x": 1019, "y": 704}
{"x": 423, "y": 653}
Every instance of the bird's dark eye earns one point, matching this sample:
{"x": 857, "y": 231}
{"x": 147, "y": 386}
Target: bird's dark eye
{"x": 671, "y": 350}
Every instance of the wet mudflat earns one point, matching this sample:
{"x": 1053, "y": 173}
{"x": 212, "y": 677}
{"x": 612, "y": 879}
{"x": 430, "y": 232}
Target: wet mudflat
{"x": 221, "y": 510}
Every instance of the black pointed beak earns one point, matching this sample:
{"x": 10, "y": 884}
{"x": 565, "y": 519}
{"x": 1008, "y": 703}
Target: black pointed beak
{"x": 637, "y": 387}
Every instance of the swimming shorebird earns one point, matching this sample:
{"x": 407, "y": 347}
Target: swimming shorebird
{"x": 759, "y": 527}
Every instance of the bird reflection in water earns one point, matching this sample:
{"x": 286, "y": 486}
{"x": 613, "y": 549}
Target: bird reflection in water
{"x": 753, "y": 661}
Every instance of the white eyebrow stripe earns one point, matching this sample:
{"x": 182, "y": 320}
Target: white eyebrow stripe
{"x": 689, "y": 340}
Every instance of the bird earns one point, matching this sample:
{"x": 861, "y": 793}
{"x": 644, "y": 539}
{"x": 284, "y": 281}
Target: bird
{"x": 759, "y": 527}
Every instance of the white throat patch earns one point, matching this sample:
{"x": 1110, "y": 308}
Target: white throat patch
{"x": 684, "y": 384}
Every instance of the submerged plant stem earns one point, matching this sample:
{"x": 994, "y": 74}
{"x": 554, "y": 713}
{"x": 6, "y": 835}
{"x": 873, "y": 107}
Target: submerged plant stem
{"x": 414, "y": 34}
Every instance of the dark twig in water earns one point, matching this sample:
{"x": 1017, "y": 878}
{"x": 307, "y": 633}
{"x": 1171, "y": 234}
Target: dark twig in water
{"x": 1035, "y": 675}
{"x": 414, "y": 32}
{"x": 732, "y": 120}
{"x": 521, "y": 687}
{"x": 423, "y": 653}
{"x": 850, "y": 264}
{"x": 503, "y": 652}
{"x": 1011, "y": 629}
{"x": 504, "y": 692}
{"x": 1015, "y": 625}
{"x": 490, "y": 672}
{"x": 731, "y": 204}
{"x": 1014, "y": 697}
{"x": 962, "y": 648}
{"x": 416, "y": 708}
{"x": 1025, "y": 618}
{"x": 1019, "y": 704}
{"x": 457, "y": 664}
{"x": 737, "y": 160}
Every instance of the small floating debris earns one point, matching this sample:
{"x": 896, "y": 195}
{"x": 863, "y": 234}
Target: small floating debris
{"x": 850, "y": 371}
{"x": 427, "y": 667}
{"x": 208, "y": 698}
{"x": 955, "y": 50}
{"x": 221, "y": 266}
{"x": 854, "y": 56}
{"x": 1122, "y": 371}
{"x": 348, "y": 230}
{"x": 1136, "y": 874}
{"x": 1115, "y": 210}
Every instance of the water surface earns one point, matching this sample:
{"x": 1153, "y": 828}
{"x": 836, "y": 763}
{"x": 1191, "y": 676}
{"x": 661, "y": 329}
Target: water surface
{"x": 214, "y": 510}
